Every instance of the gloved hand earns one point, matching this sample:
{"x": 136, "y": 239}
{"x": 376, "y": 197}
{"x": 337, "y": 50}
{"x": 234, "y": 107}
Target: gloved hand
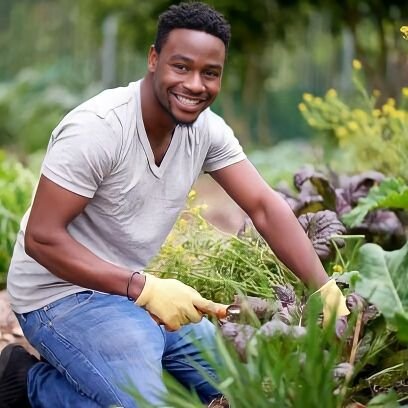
{"x": 333, "y": 301}
{"x": 174, "y": 304}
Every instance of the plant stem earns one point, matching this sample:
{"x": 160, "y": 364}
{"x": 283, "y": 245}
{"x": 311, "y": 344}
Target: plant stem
{"x": 356, "y": 337}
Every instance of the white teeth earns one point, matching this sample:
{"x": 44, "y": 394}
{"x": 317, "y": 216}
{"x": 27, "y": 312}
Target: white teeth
{"x": 187, "y": 101}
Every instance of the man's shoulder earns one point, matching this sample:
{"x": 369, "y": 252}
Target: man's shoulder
{"x": 109, "y": 100}
{"x": 212, "y": 124}
{"x": 108, "y": 109}
{"x": 210, "y": 121}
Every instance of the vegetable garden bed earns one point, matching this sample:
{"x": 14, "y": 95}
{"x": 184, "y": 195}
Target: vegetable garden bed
{"x": 275, "y": 352}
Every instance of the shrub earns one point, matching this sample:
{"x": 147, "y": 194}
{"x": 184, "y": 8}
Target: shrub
{"x": 16, "y": 186}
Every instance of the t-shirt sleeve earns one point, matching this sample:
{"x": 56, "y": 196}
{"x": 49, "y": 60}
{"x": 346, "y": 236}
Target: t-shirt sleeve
{"x": 81, "y": 153}
{"x": 224, "y": 148}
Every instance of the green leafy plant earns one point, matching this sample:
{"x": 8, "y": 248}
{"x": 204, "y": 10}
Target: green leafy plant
{"x": 384, "y": 281}
{"x": 16, "y": 186}
{"x": 391, "y": 193}
{"x": 32, "y": 104}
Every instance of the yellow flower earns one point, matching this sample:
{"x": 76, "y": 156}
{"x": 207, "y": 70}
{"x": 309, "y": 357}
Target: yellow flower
{"x": 353, "y": 126}
{"x": 376, "y": 113}
{"x": 307, "y": 97}
{"x": 192, "y": 195}
{"x": 318, "y": 101}
{"x": 331, "y": 93}
{"x": 341, "y": 132}
{"x": 360, "y": 114}
{"x": 405, "y": 91}
{"x": 398, "y": 114}
{"x": 404, "y": 31}
{"x": 388, "y": 109}
{"x": 357, "y": 64}
{"x": 195, "y": 210}
{"x": 337, "y": 268}
{"x": 302, "y": 107}
{"x": 376, "y": 93}
{"x": 391, "y": 101}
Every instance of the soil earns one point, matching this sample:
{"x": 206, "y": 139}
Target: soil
{"x": 221, "y": 211}
{"x": 10, "y": 331}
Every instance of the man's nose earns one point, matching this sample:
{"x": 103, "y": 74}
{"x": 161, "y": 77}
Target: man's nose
{"x": 194, "y": 82}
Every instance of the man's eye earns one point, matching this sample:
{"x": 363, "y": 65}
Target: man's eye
{"x": 211, "y": 74}
{"x": 180, "y": 67}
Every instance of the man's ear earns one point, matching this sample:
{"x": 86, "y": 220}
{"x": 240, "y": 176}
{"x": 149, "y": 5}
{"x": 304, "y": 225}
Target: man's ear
{"x": 152, "y": 59}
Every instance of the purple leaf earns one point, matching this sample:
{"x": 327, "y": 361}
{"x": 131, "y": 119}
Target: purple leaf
{"x": 320, "y": 227}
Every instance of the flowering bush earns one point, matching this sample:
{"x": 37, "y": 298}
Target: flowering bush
{"x": 372, "y": 136}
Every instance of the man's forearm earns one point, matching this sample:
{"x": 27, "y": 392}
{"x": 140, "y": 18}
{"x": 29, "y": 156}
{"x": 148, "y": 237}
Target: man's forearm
{"x": 276, "y": 222}
{"x": 71, "y": 261}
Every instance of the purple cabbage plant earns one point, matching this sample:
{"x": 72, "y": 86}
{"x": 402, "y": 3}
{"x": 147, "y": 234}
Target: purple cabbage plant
{"x": 322, "y": 200}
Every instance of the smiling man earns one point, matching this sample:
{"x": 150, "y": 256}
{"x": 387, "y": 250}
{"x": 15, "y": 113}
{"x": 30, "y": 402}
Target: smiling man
{"x": 116, "y": 175}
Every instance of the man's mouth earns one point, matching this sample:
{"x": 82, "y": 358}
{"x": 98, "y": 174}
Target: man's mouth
{"x": 188, "y": 101}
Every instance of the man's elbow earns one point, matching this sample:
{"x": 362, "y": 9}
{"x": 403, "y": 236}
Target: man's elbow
{"x": 269, "y": 207}
{"x": 35, "y": 241}
{"x": 30, "y": 243}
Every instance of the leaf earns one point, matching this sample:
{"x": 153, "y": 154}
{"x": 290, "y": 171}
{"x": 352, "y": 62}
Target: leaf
{"x": 389, "y": 400}
{"x": 391, "y": 193}
{"x": 351, "y": 188}
{"x": 285, "y": 294}
{"x": 320, "y": 227}
{"x": 346, "y": 278}
{"x": 384, "y": 279}
{"x": 401, "y": 322}
{"x": 318, "y": 183}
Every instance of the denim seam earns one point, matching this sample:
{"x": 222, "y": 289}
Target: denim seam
{"x": 70, "y": 347}
{"x": 61, "y": 368}
{"x": 51, "y": 313}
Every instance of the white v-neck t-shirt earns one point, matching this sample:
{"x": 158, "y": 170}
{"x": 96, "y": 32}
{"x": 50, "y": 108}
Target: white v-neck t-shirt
{"x": 100, "y": 150}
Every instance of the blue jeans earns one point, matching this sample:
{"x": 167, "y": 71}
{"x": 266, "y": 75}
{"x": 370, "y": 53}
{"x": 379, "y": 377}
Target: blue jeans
{"x": 97, "y": 345}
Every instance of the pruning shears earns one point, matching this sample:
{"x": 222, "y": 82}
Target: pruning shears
{"x": 232, "y": 314}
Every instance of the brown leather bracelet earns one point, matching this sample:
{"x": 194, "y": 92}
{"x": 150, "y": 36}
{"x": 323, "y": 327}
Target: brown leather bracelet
{"x": 128, "y": 286}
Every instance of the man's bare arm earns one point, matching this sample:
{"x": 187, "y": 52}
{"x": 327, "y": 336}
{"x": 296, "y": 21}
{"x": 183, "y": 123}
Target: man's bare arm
{"x": 274, "y": 220}
{"x": 49, "y": 243}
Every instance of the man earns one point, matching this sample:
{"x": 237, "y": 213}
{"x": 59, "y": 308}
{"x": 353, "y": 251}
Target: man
{"x": 115, "y": 177}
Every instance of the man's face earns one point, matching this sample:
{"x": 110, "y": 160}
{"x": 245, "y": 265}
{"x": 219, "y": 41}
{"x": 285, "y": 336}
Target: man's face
{"x": 187, "y": 73}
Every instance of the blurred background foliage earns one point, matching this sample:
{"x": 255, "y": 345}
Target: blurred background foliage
{"x": 58, "y": 52}
{"x": 306, "y": 81}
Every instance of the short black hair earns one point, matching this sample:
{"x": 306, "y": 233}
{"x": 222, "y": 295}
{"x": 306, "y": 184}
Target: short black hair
{"x": 193, "y": 16}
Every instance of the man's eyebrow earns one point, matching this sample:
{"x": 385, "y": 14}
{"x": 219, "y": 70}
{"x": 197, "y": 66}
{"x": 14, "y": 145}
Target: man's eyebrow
{"x": 186, "y": 59}
{"x": 181, "y": 57}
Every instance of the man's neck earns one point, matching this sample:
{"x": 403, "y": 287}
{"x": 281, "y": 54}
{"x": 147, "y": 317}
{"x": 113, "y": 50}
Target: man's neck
{"x": 159, "y": 127}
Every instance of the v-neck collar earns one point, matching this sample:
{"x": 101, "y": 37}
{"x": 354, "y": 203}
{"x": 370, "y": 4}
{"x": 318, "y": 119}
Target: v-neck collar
{"x": 158, "y": 171}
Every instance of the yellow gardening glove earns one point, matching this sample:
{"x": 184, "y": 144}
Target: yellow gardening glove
{"x": 173, "y": 303}
{"x": 333, "y": 301}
